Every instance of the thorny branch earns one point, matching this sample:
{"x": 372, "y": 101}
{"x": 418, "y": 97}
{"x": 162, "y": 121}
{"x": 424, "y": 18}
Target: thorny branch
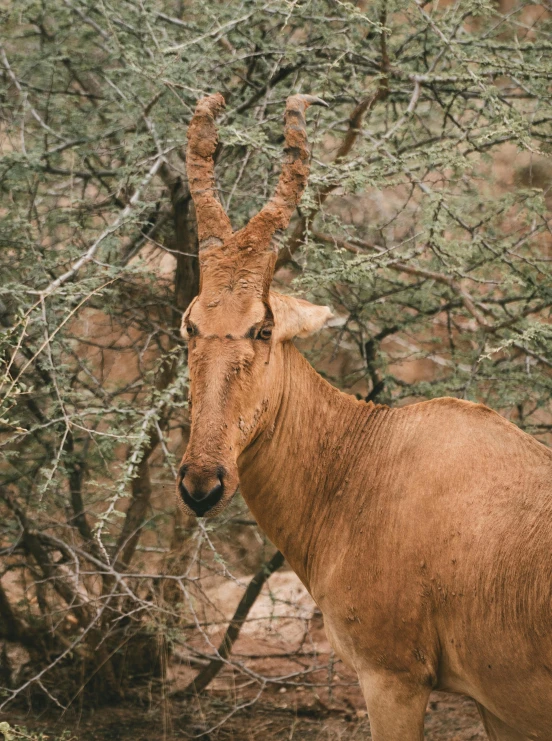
{"x": 204, "y": 678}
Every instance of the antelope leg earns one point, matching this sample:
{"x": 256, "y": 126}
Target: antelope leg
{"x": 396, "y": 706}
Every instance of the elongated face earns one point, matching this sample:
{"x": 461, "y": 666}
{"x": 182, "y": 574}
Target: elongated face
{"x": 235, "y": 385}
{"x": 230, "y": 342}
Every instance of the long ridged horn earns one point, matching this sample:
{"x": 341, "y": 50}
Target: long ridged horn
{"x": 293, "y": 178}
{"x": 213, "y": 224}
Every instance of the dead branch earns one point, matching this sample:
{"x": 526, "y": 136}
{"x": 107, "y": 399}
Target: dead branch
{"x": 253, "y": 590}
{"x": 403, "y": 267}
{"x": 111, "y": 229}
{"x": 11, "y": 627}
{"x": 34, "y": 547}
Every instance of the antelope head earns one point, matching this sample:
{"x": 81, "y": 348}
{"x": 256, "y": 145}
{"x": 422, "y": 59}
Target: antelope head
{"x": 235, "y": 326}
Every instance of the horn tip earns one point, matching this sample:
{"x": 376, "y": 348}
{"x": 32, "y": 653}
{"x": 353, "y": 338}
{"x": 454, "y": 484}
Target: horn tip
{"x": 318, "y": 101}
{"x": 307, "y": 100}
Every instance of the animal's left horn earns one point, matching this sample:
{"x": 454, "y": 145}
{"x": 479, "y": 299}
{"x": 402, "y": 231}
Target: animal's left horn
{"x": 293, "y": 178}
{"x": 213, "y": 224}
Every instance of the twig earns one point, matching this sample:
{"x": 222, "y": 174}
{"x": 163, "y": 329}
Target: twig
{"x": 206, "y": 675}
{"x": 119, "y": 221}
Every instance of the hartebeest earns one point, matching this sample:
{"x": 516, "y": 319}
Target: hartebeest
{"x": 424, "y": 533}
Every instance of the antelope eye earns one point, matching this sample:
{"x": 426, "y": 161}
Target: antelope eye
{"x": 189, "y": 330}
{"x": 265, "y": 333}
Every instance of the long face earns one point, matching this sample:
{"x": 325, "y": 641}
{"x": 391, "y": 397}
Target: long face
{"x": 235, "y": 385}
{"x": 235, "y": 325}
{"x": 230, "y": 346}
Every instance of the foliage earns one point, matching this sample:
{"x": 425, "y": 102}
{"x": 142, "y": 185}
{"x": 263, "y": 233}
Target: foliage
{"x": 426, "y": 225}
{"x": 14, "y": 733}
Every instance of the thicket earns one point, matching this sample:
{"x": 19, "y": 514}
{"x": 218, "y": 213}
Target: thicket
{"x": 426, "y": 225}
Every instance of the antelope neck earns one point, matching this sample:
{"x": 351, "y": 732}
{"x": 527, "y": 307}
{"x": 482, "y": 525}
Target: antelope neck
{"x": 295, "y": 476}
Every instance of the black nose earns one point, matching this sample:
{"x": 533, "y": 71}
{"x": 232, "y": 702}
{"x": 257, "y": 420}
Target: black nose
{"x": 201, "y": 492}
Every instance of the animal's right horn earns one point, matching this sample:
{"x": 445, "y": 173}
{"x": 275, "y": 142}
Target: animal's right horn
{"x": 293, "y": 178}
{"x": 213, "y": 224}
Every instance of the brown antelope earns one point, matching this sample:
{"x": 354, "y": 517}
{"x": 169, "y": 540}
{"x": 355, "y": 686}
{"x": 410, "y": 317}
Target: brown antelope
{"x": 424, "y": 533}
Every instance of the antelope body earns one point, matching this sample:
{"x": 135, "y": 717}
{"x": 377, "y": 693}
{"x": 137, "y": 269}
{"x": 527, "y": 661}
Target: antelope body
{"x": 423, "y": 533}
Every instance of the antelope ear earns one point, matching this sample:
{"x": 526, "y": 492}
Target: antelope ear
{"x": 294, "y": 317}
{"x": 185, "y": 316}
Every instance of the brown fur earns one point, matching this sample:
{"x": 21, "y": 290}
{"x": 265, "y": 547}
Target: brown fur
{"x": 423, "y": 533}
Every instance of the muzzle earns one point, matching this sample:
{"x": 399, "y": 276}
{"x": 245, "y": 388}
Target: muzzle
{"x": 201, "y": 490}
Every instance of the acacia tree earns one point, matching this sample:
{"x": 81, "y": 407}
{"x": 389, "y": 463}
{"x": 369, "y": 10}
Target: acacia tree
{"x": 425, "y": 224}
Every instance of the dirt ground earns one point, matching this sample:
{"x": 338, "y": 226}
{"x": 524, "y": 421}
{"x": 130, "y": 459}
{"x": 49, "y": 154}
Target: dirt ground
{"x": 282, "y": 641}
{"x": 449, "y": 718}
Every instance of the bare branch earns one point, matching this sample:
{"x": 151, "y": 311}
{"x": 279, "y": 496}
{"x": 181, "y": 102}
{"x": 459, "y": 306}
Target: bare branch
{"x": 206, "y": 675}
{"x": 119, "y": 221}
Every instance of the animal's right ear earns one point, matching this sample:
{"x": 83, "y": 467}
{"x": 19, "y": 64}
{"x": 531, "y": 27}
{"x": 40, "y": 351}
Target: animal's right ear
{"x": 294, "y": 317}
{"x": 185, "y": 316}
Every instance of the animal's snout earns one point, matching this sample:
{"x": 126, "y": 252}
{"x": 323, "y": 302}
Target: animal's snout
{"x": 201, "y": 490}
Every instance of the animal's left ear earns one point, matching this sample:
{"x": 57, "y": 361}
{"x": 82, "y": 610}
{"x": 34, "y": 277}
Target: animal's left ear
{"x": 294, "y": 317}
{"x": 185, "y": 317}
